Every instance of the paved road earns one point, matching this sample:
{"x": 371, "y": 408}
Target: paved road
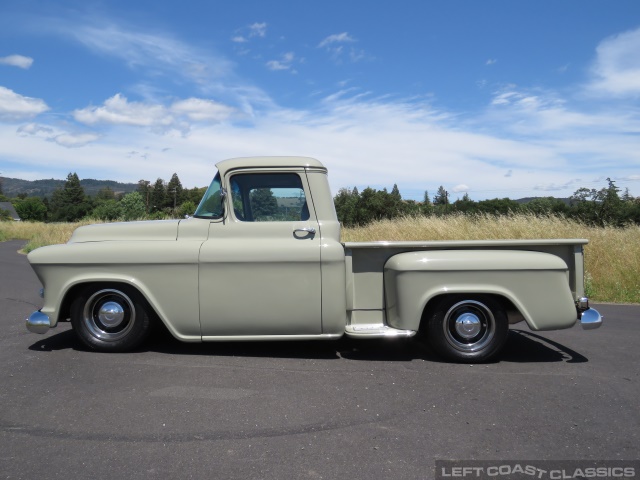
{"x": 346, "y": 409}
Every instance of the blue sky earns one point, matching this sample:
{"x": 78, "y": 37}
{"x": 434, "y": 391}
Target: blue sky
{"x": 493, "y": 98}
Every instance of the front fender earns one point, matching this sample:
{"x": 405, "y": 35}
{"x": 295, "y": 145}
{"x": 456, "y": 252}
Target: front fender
{"x": 165, "y": 273}
{"x": 536, "y": 283}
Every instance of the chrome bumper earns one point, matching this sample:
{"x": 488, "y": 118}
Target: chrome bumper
{"x": 38, "y": 322}
{"x": 590, "y": 319}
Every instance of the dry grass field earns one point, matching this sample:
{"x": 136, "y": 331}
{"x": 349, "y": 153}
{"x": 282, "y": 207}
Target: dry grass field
{"x": 612, "y": 258}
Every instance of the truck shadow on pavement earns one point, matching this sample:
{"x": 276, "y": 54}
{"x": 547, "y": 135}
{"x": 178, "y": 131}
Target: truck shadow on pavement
{"x": 522, "y": 347}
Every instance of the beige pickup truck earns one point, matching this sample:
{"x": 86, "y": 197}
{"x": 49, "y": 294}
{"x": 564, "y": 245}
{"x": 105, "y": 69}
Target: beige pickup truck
{"x": 261, "y": 259}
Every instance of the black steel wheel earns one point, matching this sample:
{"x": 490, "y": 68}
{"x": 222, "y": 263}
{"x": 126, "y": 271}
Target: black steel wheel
{"x": 467, "y": 328}
{"x": 111, "y": 318}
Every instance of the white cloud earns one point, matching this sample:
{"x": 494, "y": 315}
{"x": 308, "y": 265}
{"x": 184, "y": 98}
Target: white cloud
{"x": 491, "y": 61}
{"x": 460, "y": 188}
{"x": 71, "y": 140}
{"x": 616, "y": 69}
{"x": 180, "y": 115}
{"x": 16, "y": 107}
{"x": 19, "y": 61}
{"x": 201, "y": 110}
{"x": 343, "y": 37}
{"x": 117, "y": 110}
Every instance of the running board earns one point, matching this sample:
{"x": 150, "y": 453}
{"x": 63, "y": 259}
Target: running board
{"x": 376, "y": 330}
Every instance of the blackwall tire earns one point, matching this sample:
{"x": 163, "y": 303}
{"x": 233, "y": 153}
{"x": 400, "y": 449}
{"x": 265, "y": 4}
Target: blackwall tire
{"x": 111, "y": 318}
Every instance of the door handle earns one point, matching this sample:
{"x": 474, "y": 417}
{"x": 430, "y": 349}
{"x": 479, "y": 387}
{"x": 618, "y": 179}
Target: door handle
{"x": 307, "y": 230}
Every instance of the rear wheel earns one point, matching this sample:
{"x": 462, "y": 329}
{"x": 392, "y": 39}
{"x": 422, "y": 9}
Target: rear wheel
{"x": 110, "y": 318}
{"x": 467, "y": 329}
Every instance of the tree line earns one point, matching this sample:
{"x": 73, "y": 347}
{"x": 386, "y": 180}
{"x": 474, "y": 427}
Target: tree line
{"x": 158, "y": 200}
{"x": 601, "y": 207}
{"x": 70, "y": 203}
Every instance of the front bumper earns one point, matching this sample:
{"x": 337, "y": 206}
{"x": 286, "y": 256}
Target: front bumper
{"x": 38, "y": 322}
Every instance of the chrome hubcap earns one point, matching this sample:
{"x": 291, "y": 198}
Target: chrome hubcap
{"x": 468, "y": 325}
{"x": 111, "y": 314}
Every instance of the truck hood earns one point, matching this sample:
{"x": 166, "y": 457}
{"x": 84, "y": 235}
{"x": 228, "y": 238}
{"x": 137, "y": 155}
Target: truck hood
{"x": 158, "y": 230}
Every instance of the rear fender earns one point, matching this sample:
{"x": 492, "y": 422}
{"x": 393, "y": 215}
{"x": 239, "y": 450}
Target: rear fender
{"x": 535, "y": 283}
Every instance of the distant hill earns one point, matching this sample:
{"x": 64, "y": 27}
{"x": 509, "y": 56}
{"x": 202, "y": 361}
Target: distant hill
{"x": 12, "y": 187}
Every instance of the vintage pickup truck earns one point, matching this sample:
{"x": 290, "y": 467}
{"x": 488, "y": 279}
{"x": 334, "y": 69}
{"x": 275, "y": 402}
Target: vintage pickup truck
{"x": 261, "y": 259}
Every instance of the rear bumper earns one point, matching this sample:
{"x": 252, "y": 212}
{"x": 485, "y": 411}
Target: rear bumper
{"x": 590, "y": 319}
{"x": 38, "y": 322}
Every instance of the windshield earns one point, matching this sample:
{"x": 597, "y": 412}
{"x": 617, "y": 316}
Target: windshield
{"x": 211, "y": 204}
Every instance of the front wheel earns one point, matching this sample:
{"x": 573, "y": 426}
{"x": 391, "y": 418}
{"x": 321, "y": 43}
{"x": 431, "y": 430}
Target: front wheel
{"x": 467, "y": 329}
{"x": 110, "y": 319}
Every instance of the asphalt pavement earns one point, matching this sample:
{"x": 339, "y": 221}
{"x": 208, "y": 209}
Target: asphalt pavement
{"x": 298, "y": 410}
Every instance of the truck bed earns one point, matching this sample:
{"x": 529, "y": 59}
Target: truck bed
{"x": 365, "y": 263}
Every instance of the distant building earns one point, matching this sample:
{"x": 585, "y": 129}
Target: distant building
{"x": 9, "y": 208}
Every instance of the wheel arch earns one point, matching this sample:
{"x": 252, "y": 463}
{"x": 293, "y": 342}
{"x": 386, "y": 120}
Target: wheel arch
{"x": 510, "y": 309}
{"x": 75, "y": 288}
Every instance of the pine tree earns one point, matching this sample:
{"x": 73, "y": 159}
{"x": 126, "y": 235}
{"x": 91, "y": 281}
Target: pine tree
{"x": 174, "y": 192}
{"x": 69, "y": 203}
{"x": 442, "y": 197}
{"x": 158, "y": 196}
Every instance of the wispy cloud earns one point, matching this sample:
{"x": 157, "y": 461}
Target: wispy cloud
{"x": 159, "y": 54}
{"x": 244, "y": 35}
{"x": 55, "y": 135}
{"x": 338, "y": 45}
{"x": 258, "y": 30}
{"x": 343, "y": 37}
{"x": 491, "y": 61}
{"x": 284, "y": 63}
{"x": 19, "y": 61}
{"x": 16, "y": 107}
{"x": 152, "y": 52}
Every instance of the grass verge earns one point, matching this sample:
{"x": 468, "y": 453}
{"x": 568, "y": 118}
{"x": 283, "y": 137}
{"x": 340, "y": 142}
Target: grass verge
{"x": 38, "y": 234}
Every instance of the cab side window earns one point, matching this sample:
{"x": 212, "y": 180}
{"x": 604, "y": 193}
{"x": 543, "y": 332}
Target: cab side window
{"x": 269, "y": 197}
